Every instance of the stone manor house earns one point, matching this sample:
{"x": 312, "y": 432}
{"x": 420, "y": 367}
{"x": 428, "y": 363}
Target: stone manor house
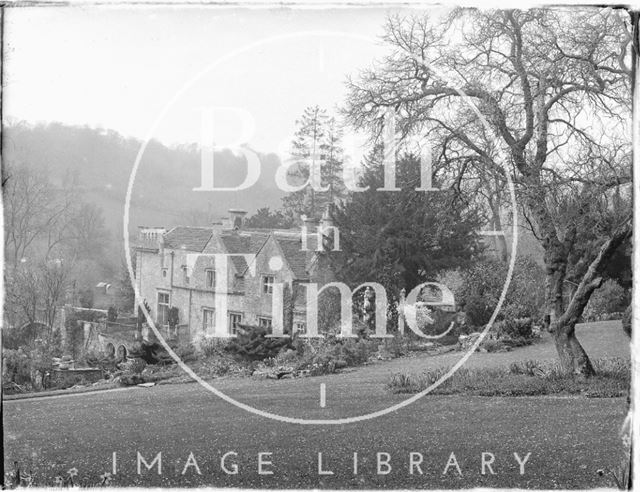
{"x": 169, "y": 274}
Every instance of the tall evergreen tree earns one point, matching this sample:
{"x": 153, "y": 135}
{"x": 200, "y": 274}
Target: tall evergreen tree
{"x": 318, "y": 137}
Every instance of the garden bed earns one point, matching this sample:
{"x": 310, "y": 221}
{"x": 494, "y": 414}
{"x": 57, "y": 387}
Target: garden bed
{"x": 527, "y": 378}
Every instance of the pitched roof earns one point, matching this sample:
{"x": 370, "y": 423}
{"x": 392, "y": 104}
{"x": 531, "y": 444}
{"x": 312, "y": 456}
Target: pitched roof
{"x": 242, "y": 243}
{"x": 295, "y": 256}
{"x": 246, "y": 242}
{"x": 188, "y": 238}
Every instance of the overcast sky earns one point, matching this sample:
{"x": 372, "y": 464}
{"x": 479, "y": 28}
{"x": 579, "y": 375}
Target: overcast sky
{"x": 118, "y": 68}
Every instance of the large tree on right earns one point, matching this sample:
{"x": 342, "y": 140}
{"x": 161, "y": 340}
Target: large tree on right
{"x": 544, "y": 95}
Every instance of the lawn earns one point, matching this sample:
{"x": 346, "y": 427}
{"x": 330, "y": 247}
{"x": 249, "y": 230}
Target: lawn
{"x": 603, "y": 339}
{"x": 569, "y": 438}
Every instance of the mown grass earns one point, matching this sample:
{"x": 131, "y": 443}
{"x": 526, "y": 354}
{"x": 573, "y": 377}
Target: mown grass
{"x": 526, "y": 378}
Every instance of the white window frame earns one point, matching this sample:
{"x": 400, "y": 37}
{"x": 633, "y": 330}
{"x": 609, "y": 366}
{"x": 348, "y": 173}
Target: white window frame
{"x": 164, "y": 321}
{"x": 267, "y": 284}
{"x": 268, "y": 322}
{"x": 212, "y": 272}
{"x": 234, "y": 329}
{"x": 211, "y": 328}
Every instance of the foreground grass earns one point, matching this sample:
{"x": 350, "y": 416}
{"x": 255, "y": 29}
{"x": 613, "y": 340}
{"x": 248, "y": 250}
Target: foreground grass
{"x": 526, "y": 378}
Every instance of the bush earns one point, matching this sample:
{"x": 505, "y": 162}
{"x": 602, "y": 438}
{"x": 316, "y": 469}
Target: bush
{"x": 398, "y": 345}
{"x": 614, "y": 367}
{"x": 609, "y": 299}
{"x": 220, "y": 367}
{"x": 482, "y": 285}
{"x": 493, "y": 345}
{"x": 530, "y": 368}
{"x": 136, "y": 366}
{"x": 252, "y": 344}
{"x": 186, "y": 352}
{"x": 330, "y": 354}
{"x": 514, "y": 328}
{"x": 526, "y": 378}
{"x": 18, "y": 368}
{"x": 516, "y": 342}
{"x": 16, "y": 337}
{"x": 211, "y": 347}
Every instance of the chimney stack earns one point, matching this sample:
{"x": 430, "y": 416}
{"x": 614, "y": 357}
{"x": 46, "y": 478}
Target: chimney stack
{"x": 237, "y": 218}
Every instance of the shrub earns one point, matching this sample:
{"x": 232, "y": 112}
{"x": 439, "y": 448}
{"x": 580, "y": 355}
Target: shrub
{"x": 525, "y": 378}
{"x": 136, "y": 366}
{"x": 514, "y": 328}
{"x": 404, "y": 383}
{"x": 131, "y": 379}
{"x": 211, "y": 347}
{"x": 483, "y": 283}
{"x": 614, "y": 367}
{"x": 186, "y": 352}
{"x": 16, "y": 337}
{"x": 18, "y": 368}
{"x": 516, "y": 342}
{"x": 610, "y": 298}
{"x": 112, "y": 314}
{"x": 529, "y": 368}
{"x": 354, "y": 351}
{"x": 330, "y": 354}
{"x": 220, "y": 367}
{"x": 252, "y": 344}
{"x": 398, "y": 345}
{"x": 493, "y": 345}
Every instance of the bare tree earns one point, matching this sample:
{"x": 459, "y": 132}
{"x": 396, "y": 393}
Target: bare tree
{"x": 55, "y": 277}
{"x": 35, "y": 291}
{"x": 36, "y": 214}
{"x": 554, "y": 86}
{"x": 47, "y": 231}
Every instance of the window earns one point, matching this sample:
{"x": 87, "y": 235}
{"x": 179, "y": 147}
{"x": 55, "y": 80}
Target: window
{"x": 208, "y": 320}
{"x": 185, "y": 274}
{"x": 267, "y": 284}
{"x": 264, "y": 323}
{"x": 163, "y": 308}
{"x": 234, "y": 322}
{"x": 299, "y": 327}
{"x": 210, "y": 279}
{"x": 164, "y": 273}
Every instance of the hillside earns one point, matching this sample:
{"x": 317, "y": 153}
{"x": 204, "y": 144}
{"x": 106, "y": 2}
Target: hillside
{"x": 99, "y": 163}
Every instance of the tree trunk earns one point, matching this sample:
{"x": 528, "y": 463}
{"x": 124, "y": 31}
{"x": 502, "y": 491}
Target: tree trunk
{"x": 572, "y": 356}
